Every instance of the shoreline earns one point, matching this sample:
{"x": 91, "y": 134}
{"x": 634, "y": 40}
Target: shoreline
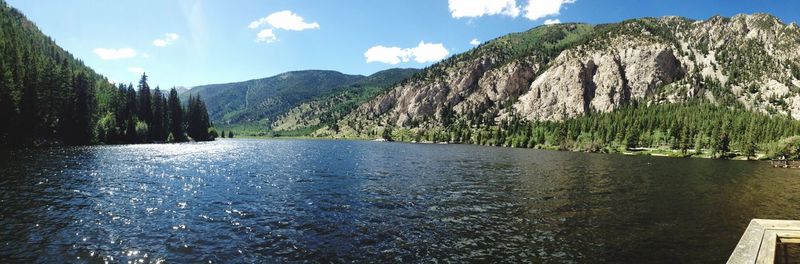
{"x": 654, "y": 152}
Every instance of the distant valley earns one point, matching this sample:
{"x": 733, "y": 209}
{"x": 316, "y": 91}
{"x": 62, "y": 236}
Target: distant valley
{"x": 293, "y": 102}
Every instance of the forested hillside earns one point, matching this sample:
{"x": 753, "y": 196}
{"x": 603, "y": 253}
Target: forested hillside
{"x": 259, "y": 99}
{"x": 326, "y": 109}
{"x": 296, "y": 101}
{"x": 741, "y": 74}
{"x": 49, "y": 97}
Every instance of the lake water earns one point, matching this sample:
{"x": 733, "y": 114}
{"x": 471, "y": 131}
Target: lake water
{"x": 341, "y": 201}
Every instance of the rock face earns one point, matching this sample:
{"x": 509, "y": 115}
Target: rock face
{"x": 602, "y": 81}
{"x": 562, "y": 71}
{"x": 501, "y": 84}
{"x": 474, "y": 89}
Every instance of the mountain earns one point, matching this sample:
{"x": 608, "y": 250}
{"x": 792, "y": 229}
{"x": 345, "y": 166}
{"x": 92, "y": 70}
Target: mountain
{"x": 268, "y": 102}
{"x": 181, "y": 89}
{"x": 328, "y": 108}
{"x": 558, "y": 73}
{"x": 562, "y": 71}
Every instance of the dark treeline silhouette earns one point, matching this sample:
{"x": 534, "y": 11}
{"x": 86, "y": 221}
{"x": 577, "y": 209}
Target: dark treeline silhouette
{"x": 48, "y": 97}
{"x": 137, "y": 116}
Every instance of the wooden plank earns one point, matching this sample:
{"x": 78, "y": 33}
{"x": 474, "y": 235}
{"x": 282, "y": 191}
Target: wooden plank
{"x": 778, "y": 224}
{"x": 766, "y": 254}
{"x": 788, "y": 234}
{"x": 746, "y": 250}
{"x": 793, "y": 240}
{"x": 759, "y": 241}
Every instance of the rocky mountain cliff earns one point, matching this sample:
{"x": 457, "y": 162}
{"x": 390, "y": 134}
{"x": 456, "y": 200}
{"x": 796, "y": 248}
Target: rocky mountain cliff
{"x": 563, "y": 71}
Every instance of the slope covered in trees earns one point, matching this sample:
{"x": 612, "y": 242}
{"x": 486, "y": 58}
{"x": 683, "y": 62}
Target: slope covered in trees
{"x": 551, "y": 77}
{"x": 326, "y": 109}
{"x": 254, "y": 100}
{"x": 693, "y": 128}
{"x": 257, "y": 104}
{"x": 49, "y": 97}
{"x": 46, "y": 95}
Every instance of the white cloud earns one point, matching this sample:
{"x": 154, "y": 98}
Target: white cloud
{"x": 474, "y": 42}
{"x": 114, "y": 54}
{"x": 478, "y": 8}
{"x": 137, "y": 70}
{"x": 168, "y": 39}
{"x": 423, "y": 53}
{"x": 285, "y": 20}
{"x": 552, "y": 21}
{"x": 266, "y": 35}
{"x": 390, "y": 55}
{"x": 429, "y": 52}
{"x": 537, "y": 9}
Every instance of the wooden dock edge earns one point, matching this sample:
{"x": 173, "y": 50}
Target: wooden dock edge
{"x": 759, "y": 240}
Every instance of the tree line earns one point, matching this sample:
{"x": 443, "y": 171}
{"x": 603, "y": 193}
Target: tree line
{"x": 48, "y": 97}
{"x": 45, "y": 93}
{"x": 692, "y": 128}
{"x": 76, "y": 109}
{"x": 144, "y": 115}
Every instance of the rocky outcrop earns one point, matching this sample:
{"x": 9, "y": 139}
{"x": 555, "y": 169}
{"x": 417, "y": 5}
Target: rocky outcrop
{"x": 560, "y": 71}
{"x": 417, "y": 100}
{"x": 500, "y": 85}
{"x": 477, "y": 88}
{"x": 578, "y": 82}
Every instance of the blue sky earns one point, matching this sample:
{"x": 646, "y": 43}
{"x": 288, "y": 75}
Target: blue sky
{"x": 188, "y": 43}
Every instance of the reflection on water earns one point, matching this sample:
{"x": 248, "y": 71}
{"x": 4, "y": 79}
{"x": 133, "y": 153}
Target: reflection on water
{"x": 294, "y": 200}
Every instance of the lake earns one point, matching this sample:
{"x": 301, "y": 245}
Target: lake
{"x": 340, "y": 201}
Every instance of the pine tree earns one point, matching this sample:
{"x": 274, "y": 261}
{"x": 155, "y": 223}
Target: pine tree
{"x": 145, "y": 101}
{"x": 131, "y": 113}
{"x": 158, "y": 131}
{"x": 130, "y": 131}
{"x": 175, "y": 114}
{"x": 724, "y": 140}
{"x": 632, "y": 137}
{"x": 750, "y": 147}
{"x": 197, "y": 120}
{"x": 686, "y": 139}
{"x": 85, "y": 105}
{"x": 28, "y": 114}
{"x": 8, "y": 113}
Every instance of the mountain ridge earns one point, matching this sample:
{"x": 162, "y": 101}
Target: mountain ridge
{"x": 666, "y": 40}
{"x": 552, "y": 80}
{"x": 552, "y": 86}
{"x": 261, "y": 101}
